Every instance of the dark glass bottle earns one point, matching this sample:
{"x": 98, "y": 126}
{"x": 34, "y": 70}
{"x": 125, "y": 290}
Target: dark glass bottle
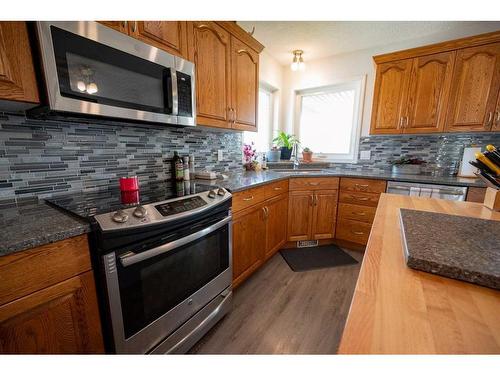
{"x": 177, "y": 167}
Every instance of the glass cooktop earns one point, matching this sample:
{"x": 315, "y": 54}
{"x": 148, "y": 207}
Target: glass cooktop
{"x": 89, "y": 204}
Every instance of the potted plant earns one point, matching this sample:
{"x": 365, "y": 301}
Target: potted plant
{"x": 407, "y": 165}
{"x": 307, "y": 155}
{"x": 285, "y": 142}
{"x": 273, "y": 155}
{"x": 249, "y": 157}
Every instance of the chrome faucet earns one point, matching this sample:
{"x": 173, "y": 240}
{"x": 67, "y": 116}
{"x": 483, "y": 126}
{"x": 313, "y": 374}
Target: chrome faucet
{"x": 295, "y": 156}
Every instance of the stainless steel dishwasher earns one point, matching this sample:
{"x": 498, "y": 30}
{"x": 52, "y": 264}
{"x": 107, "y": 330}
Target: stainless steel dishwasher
{"x": 453, "y": 193}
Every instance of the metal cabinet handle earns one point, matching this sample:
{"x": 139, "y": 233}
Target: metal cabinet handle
{"x": 124, "y": 24}
{"x": 130, "y": 257}
{"x": 359, "y": 198}
{"x": 278, "y": 188}
{"x": 497, "y": 117}
{"x": 312, "y": 200}
{"x": 359, "y": 213}
{"x": 358, "y": 233}
{"x": 134, "y": 26}
{"x": 315, "y": 200}
{"x": 401, "y": 122}
{"x": 248, "y": 199}
{"x": 266, "y": 212}
{"x": 314, "y": 183}
{"x": 490, "y": 118}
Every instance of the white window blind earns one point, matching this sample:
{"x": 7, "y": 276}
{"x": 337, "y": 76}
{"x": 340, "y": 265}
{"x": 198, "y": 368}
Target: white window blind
{"x": 329, "y": 120}
{"x": 262, "y": 139}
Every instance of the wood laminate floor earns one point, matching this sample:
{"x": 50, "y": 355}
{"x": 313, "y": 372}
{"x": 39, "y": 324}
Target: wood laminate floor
{"x": 278, "y": 311}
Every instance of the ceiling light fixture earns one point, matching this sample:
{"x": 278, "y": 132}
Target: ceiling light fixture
{"x": 298, "y": 61}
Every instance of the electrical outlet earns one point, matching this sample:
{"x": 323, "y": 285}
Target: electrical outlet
{"x": 365, "y": 155}
{"x": 220, "y": 155}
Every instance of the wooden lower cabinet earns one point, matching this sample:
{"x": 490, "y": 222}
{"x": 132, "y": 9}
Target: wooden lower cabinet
{"x": 48, "y": 301}
{"x": 276, "y": 216}
{"x": 249, "y": 239}
{"x": 61, "y": 319}
{"x": 258, "y": 233}
{"x": 312, "y": 214}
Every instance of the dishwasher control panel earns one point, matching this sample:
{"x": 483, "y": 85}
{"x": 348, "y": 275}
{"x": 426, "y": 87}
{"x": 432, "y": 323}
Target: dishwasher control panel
{"x": 453, "y": 193}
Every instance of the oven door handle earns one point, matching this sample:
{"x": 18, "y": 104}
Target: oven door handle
{"x": 130, "y": 257}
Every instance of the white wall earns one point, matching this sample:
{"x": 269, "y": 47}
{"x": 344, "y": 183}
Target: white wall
{"x": 336, "y": 69}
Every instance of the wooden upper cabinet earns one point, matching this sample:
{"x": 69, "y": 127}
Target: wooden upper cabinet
{"x": 474, "y": 91}
{"x": 496, "y": 120}
{"x": 170, "y": 36}
{"x": 245, "y": 85}
{"x": 390, "y": 96}
{"x": 325, "y": 213}
{"x": 17, "y": 73}
{"x": 210, "y": 50}
{"x": 121, "y": 26}
{"x": 430, "y": 83}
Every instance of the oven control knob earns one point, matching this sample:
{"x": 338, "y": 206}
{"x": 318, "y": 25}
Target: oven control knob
{"x": 140, "y": 212}
{"x": 221, "y": 192}
{"x": 211, "y": 194}
{"x": 120, "y": 216}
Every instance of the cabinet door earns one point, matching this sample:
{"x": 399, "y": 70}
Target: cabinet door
{"x": 210, "y": 50}
{"x": 276, "y": 217}
{"x": 474, "y": 90}
{"x": 170, "y": 36}
{"x": 61, "y": 319}
{"x": 390, "y": 96}
{"x": 244, "y": 85}
{"x": 249, "y": 241}
{"x": 121, "y": 26}
{"x": 300, "y": 215}
{"x": 17, "y": 74}
{"x": 324, "y": 214}
{"x": 429, "y": 92}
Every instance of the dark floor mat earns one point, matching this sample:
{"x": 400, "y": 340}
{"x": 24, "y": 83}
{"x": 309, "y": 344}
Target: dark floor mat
{"x": 310, "y": 258}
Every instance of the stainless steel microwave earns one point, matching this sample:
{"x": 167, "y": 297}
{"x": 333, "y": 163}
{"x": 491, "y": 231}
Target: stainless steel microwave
{"x": 93, "y": 70}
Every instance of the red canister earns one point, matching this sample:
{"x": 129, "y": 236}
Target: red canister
{"x": 129, "y": 188}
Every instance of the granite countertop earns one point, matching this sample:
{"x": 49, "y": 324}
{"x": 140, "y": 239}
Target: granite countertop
{"x": 457, "y": 247}
{"x": 28, "y": 226}
{"x": 239, "y": 181}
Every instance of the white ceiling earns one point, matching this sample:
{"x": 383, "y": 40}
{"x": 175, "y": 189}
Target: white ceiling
{"x": 321, "y": 39}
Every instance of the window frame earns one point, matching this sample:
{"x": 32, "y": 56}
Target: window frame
{"x": 356, "y": 83}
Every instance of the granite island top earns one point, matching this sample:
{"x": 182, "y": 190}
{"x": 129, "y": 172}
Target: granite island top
{"x": 239, "y": 181}
{"x": 458, "y": 247}
{"x": 37, "y": 224}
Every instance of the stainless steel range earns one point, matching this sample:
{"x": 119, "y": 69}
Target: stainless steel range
{"x": 165, "y": 266}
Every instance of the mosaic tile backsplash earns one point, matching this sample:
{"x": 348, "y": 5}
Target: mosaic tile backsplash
{"x": 442, "y": 153}
{"x": 41, "y": 158}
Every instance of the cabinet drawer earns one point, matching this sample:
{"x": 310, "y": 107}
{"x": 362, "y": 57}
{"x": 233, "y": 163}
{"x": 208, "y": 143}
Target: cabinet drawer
{"x": 363, "y": 185}
{"x": 314, "y": 183}
{"x": 364, "y": 199}
{"x": 356, "y": 212}
{"x": 276, "y": 188}
{"x": 248, "y": 198}
{"x": 353, "y": 231}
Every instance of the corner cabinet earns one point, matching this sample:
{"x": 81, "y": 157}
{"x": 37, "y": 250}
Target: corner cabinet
{"x": 446, "y": 87}
{"x": 227, "y": 74}
{"x": 17, "y": 74}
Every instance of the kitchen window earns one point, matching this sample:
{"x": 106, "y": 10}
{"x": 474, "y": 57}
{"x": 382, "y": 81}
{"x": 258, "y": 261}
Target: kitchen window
{"x": 328, "y": 120}
{"x": 262, "y": 139}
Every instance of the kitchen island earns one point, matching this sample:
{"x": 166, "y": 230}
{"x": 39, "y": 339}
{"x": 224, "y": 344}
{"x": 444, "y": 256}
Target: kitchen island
{"x": 398, "y": 310}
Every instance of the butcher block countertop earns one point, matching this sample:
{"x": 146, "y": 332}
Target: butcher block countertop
{"x": 398, "y": 310}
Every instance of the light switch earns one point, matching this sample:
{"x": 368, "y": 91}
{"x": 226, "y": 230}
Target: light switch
{"x": 220, "y": 155}
{"x": 365, "y": 155}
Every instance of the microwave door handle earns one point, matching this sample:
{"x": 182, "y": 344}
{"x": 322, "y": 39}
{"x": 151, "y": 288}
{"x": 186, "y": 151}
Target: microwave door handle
{"x": 130, "y": 257}
{"x": 175, "y": 92}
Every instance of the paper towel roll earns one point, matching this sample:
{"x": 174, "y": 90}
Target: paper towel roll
{"x": 467, "y": 170}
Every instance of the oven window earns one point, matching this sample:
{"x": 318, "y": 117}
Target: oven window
{"x": 151, "y": 288}
{"x": 97, "y": 73}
